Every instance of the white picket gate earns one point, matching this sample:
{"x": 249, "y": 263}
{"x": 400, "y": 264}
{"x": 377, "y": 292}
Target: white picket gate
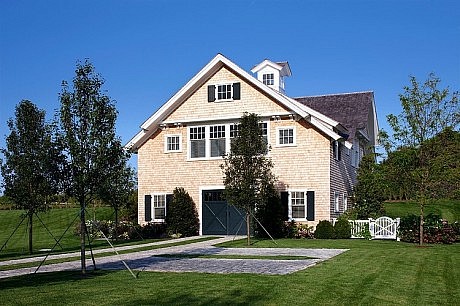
{"x": 380, "y": 228}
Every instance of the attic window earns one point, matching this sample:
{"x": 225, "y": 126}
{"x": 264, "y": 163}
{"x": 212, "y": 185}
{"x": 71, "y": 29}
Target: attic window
{"x": 268, "y": 79}
{"x": 224, "y": 92}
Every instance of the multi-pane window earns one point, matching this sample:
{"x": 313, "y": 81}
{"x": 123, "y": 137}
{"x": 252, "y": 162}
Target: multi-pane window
{"x": 264, "y": 131}
{"x": 234, "y": 130}
{"x": 197, "y": 142}
{"x": 345, "y": 202}
{"x": 298, "y": 204}
{"x": 173, "y": 143}
{"x": 159, "y": 207}
{"x": 268, "y": 79}
{"x": 217, "y": 139}
{"x": 336, "y": 201}
{"x": 286, "y": 136}
{"x": 224, "y": 92}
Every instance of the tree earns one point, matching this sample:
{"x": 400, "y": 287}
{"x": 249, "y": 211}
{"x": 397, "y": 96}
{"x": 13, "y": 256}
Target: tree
{"x": 118, "y": 187}
{"x": 426, "y": 111}
{"x": 87, "y": 117}
{"x": 30, "y": 169}
{"x": 247, "y": 169}
{"x": 368, "y": 193}
{"x": 181, "y": 214}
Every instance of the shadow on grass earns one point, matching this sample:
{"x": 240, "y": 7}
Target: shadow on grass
{"x": 49, "y": 278}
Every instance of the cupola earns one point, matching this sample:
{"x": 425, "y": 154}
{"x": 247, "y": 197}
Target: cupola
{"x": 272, "y": 74}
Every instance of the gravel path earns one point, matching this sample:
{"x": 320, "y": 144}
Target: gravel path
{"x": 151, "y": 260}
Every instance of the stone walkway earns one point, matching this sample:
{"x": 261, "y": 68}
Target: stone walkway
{"x": 151, "y": 260}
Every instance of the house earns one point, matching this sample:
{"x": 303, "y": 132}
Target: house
{"x": 316, "y": 144}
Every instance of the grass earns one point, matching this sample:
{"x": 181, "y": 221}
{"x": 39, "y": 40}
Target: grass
{"x": 57, "y": 221}
{"x": 371, "y": 272}
{"x": 447, "y": 209}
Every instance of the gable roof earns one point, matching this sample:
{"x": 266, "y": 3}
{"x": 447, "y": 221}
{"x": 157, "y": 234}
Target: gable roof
{"x": 323, "y": 123}
{"x": 352, "y": 110}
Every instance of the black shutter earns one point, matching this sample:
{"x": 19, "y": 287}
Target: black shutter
{"x": 339, "y": 153}
{"x": 285, "y": 204}
{"x": 148, "y": 207}
{"x": 169, "y": 198}
{"x": 211, "y": 93}
{"x": 236, "y": 91}
{"x": 310, "y": 205}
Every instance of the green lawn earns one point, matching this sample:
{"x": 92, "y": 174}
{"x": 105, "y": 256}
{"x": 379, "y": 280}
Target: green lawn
{"x": 447, "y": 209}
{"x": 370, "y": 273}
{"x": 56, "y": 220}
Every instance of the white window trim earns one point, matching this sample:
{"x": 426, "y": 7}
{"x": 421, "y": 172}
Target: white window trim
{"x": 290, "y": 204}
{"x": 216, "y": 91}
{"x": 336, "y": 202}
{"x": 208, "y": 140}
{"x": 153, "y": 207}
{"x": 166, "y": 143}
{"x": 286, "y": 144}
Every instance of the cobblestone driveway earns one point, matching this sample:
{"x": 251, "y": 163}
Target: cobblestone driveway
{"x": 151, "y": 260}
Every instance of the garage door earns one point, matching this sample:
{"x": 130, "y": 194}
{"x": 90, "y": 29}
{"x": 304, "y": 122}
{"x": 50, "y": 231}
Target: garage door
{"x": 220, "y": 218}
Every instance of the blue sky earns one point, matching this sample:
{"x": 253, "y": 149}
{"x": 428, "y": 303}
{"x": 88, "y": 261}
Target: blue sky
{"x": 147, "y": 50}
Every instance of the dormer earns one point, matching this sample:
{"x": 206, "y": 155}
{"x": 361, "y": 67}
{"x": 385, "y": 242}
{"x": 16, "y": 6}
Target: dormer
{"x": 272, "y": 74}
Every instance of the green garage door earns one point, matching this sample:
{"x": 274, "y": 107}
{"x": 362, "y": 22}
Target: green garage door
{"x": 220, "y": 218}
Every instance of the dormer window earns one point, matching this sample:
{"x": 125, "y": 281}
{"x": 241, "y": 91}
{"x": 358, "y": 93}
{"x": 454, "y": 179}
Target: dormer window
{"x": 224, "y": 92}
{"x": 269, "y": 79}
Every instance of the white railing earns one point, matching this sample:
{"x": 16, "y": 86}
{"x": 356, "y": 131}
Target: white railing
{"x": 380, "y": 228}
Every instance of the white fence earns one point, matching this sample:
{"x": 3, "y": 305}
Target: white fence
{"x": 381, "y": 228}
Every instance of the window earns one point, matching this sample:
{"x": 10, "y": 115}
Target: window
{"x": 217, "y": 138}
{"x": 345, "y": 202}
{"x": 224, "y": 92}
{"x": 286, "y": 136}
{"x": 197, "y": 142}
{"x": 298, "y": 204}
{"x": 264, "y": 129}
{"x": 268, "y": 79}
{"x": 336, "y": 150}
{"x": 159, "y": 207}
{"x": 336, "y": 201}
{"x": 234, "y": 130}
{"x": 173, "y": 143}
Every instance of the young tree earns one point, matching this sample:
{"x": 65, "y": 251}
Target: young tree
{"x": 87, "y": 117}
{"x": 118, "y": 187}
{"x": 426, "y": 111}
{"x": 247, "y": 170}
{"x": 30, "y": 169}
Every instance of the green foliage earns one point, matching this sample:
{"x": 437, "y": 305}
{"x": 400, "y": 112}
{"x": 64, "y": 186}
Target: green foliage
{"x": 298, "y": 230}
{"x": 270, "y": 215}
{"x": 427, "y": 110}
{"x": 368, "y": 193}
{"x": 324, "y": 230}
{"x": 435, "y": 230}
{"x": 342, "y": 229}
{"x": 181, "y": 215}
{"x": 248, "y": 179}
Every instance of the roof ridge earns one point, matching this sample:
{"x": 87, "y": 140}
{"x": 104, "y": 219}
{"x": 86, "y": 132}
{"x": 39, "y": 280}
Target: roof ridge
{"x": 336, "y": 94}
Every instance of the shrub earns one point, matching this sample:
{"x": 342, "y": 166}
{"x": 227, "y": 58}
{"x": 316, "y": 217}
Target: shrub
{"x": 435, "y": 230}
{"x": 342, "y": 229}
{"x": 181, "y": 215}
{"x": 324, "y": 230}
{"x": 153, "y": 231}
{"x": 270, "y": 216}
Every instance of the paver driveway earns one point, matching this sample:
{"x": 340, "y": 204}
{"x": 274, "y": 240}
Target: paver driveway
{"x": 151, "y": 260}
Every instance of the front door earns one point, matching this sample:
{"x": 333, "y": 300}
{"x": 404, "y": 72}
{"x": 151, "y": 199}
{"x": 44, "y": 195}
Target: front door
{"x": 220, "y": 218}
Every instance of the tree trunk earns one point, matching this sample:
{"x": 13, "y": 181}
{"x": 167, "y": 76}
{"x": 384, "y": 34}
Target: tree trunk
{"x": 82, "y": 236}
{"x": 248, "y": 227}
{"x": 421, "y": 221}
{"x": 116, "y": 224}
{"x": 30, "y": 232}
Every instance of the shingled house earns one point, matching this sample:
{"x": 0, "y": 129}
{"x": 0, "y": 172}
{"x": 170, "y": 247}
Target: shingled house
{"x": 316, "y": 144}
